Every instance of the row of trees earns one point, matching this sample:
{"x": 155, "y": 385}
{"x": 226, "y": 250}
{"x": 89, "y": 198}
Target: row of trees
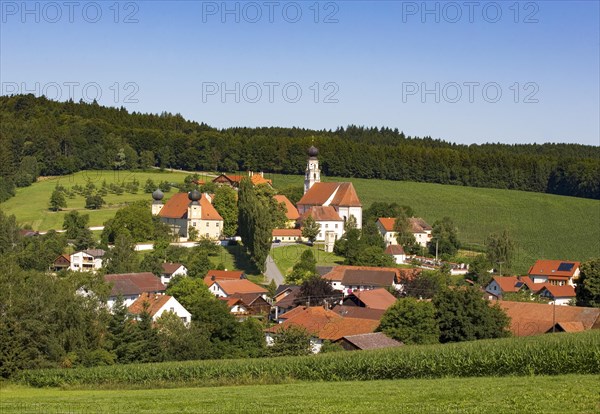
{"x": 52, "y": 138}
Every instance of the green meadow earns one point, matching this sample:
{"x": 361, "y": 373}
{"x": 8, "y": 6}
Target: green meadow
{"x": 537, "y": 394}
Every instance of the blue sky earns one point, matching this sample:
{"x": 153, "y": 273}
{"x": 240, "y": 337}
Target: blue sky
{"x": 490, "y": 72}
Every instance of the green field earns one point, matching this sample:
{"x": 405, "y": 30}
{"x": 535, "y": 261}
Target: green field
{"x": 545, "y": 226}
{"x": 538, "y": 394}
{"x": 286, "y": 257}
{"x": 30, "y": 205}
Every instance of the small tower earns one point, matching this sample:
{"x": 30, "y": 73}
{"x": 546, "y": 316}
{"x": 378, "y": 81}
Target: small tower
{"x": 157, "y": 204}
{"x": 194, "y": 209}
{"x": 313, "y": 173}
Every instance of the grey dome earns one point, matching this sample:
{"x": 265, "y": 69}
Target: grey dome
{"x": 313, "y": 151}
{"x": 194, "y": 195}
{"x": 157, "y": 195}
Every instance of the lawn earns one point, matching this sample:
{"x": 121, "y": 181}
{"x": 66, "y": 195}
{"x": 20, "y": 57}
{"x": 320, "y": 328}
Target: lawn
{"x": 30, "y": 205}
{"x": 536, "y": 394}
{"x": 545, "y": 226}
{"x": 285, "y": 257}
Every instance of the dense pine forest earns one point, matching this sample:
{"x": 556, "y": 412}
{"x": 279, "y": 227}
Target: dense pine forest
{"x": 40, "y": 137}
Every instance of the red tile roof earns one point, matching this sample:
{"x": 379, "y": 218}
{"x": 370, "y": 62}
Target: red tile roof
{"x": 255, "y": 178}
{"x": 550, "y": 268}
{"x": 177, "y": 207}
{"x": 153, "y": 301}
{"x": 394, "y": 250}
{"x": 319, "y": 193}
{"x": 340, "y": 273}
{"x": 134, "y": 283}
{"x": 321, "y": 213}
{"x": 232, "y": 287}
{"x": 358, "y": 312}
{"x": 291, "y": 212}
{"x": 533, "y": 287}
{"x": 507, "y": 283}
{"x": 376, "y": 298}
{"x": 213, "y": 275}
{"x": 537, "y": 318}
{"x": 564, "y": 291}
{"x": 418, "y": 225}
{"x": 169, "y": 268}
{"x": 326, "y": 324}
{"x": 286, "y": 233}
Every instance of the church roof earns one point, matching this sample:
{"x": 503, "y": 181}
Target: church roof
{"x": 177, "y": 206}
{"x": 319, "y": 193}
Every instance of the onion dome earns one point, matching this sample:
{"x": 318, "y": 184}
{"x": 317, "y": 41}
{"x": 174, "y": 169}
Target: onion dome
{"x": 157, "y": 195}
{"x": 194, "y": 195}
{"x": 313, "y": 151}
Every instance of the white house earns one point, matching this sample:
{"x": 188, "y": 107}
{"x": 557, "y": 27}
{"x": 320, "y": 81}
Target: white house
{"x": 419, "y": 228}
{"x": 558, "y": 294}
{"x": 397, "y": 252}
{"x": 156, "y": 305}
{"x": 352, "y": 278}
{"x": 185, "y": 211}
{"x": 131, "y": 285}
{"x": 341, "y": 196}
{"x": 87, "y": 260}
{"x": 228, "y": 288}
{"x": 328, "y": 220}
{"x": 170, "y": 270}
{"x": 555, "y": 272}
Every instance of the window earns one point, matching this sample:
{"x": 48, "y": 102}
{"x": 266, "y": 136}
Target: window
{"x": 194, "y": 224}
{"x": 172, "y": 309}
{"x": 208, "y": 235}
{"x": 217, "y": 224}
{"x": 336, "y": 225}
{"x": 326, "y": 225}
{"x": 207, "y": 224}
{"x": 184, "y": 319}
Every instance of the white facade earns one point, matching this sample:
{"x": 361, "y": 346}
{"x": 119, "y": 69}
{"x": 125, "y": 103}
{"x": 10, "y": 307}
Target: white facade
{"x": 399, "y": 258}
{"x": 127, "y": 300}
{"x": 312, "y": 174}
{"x": 180, "y": 271}
{"x": 84, "y": 262}
{"x": 347, "y": 212}
{"x": 337, "y": 227}
{"x": 175, "y": 307}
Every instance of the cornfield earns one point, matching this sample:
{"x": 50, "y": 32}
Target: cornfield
{"x": 542, "y": 355}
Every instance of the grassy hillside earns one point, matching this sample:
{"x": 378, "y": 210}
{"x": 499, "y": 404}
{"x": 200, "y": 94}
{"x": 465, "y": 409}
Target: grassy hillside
{"x": 545, "y": 226}
{"x": 30, "y": 205}
{"x": 560, "y": 394}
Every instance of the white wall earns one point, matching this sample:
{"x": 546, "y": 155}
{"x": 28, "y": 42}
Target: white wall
{"x": 336, "y": 226}
{"x": 177, "y": 308}
{"x": 79, "y": 259}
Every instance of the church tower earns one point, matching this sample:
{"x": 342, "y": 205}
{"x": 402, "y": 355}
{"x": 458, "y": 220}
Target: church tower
{"x": 313, "y": 173}
{"x": 157, "y": 204}
{"x": 194, "y": 210}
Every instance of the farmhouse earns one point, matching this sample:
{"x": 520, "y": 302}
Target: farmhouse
{"x": 374, "y": 299}
{"x": 341, "y": 196}
{"x": 419, "y": 228}
{"x": 183, "y": 212}
{"x": 352, "y": 278}
{"x": 286, "y": 235}
{"x": 235, "y": 180}
{"x": 130, "y": 286}
{"x": 156, "y": 305}
{"x": 555, "y": 272}
{"x": 170, "y": 270}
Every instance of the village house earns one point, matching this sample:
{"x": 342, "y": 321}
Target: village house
{"x": 157, "y": 305}
{"x": 235, "y": 180}
{"x": 62, "y": 262}
{"x": 558, "y": 294}
{"x": 368, "y": 341}
{"x": 379, "y": 298}
{"x": 555, "y": 272}
{"x": 227, "y": 288}
{"x": 170, "y": 270}
{"x": 286, "y": 235}
{"x": 528, "y": 319}
{"x": 341, "y": 196}
{"x": 328, "y": 220}
{"x": 183, "y": 212}
{"x": 213, "y": 275}
{"x": 352, "y": 278}
{"x": 131, "y": 285}
{"x": 284, "y": 300}
{"x": 236, "y": 306}
{"x": 86, "y": 260}
{"x": 397, "y": 252}
{"x": 419, "y": 228}
{"x": 323, "y": 325}
{"x": 291, "y": 212}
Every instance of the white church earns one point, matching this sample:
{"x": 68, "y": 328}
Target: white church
{"x": 329, "y": 204}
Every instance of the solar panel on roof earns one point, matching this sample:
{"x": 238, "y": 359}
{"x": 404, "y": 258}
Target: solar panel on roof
{"x": 565, "y": 267}
{"x": 518, "y": 284}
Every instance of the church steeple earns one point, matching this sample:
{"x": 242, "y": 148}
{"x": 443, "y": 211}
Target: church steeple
{"x": 313, "y": 173}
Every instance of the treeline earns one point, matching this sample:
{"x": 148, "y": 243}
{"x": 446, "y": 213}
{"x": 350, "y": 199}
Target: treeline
{"x": 43, "y": 137}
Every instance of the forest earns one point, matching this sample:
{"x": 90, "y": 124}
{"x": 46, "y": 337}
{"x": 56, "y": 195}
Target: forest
{"x": 41, "y": 137}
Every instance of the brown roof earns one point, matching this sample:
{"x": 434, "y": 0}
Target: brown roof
{"x": 286, "y": 232}
{"x": 418, "y": 225}
{"x": 338, "y": 273}
{"x": 233, "y": 287}
{"x": 394, "y": 249}
{"x": 319, "y": 193}
{"x": 570, "y": 326}
{"x": 375, "y": 299}
{"x": 375, "y": 340}
{"x": 292, "y": 312}
{"x": 507, "y": 283}
{"x": 291, "y": 212}
{"x": 533, "y": 287}
{"x": 169, "y": 268}
{"x": 358, "y": 312}
{"x": 63, "y": 257}
{"x": 551, "y": 268}
{"x": 321, "y": 213}
{"x": 153, "y": 301}
{"x": 213, "y": 275}
{"x": 177, "y": 207}
{"x": 255, "y": 178}
{"x": 564, "y": 291}
{"x": 326, "y": 324}
{"x": 537, "y": 318}
{"x": 134, "y": 283}
{"x": 285, "y": 301}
